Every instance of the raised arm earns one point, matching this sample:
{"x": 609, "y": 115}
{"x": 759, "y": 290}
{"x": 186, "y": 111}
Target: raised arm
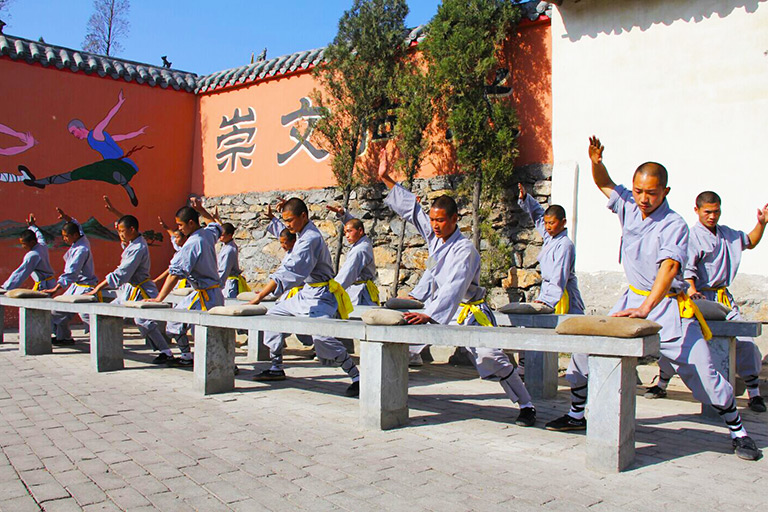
{"x": 32, "y": 225}
{"x": 111, "y": 208}
{"x": 341, "y": 213}
{"x": 599, "y": 172}
{"x": 126, "y": 136}
{"x": 384, "y": 170}
{"x": 757, "y": 233}
{"x": 534, "y": 210}
{"x": 26, "y": 138}
{"x": 197, "y": 204}
{"x": 98, "y": 132}
{"x": 67, "y": 218}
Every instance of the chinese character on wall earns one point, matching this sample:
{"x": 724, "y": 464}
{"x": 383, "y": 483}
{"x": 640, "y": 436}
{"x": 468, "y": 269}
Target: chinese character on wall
{"x": 235, "y": 145}
{"x": 310, "y": 115}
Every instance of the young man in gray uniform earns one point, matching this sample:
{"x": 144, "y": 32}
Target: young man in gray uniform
{"x": 232, "y": 280}
{"x": 321, "y": 296}
{"x": 78, "y": 277}
{"x": 455, "y": 274}
{"x": 132, "y": 279}
{"x": 358, "y": 273}
{"x": 654, "y": 247}
{"x": 559, "y": 287}
{"x": 714, "y": 255}
{"x": 36, "y": 263}
{"x": 196, "y": 262}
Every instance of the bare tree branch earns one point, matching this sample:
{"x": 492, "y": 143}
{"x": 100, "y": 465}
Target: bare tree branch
{"x": 107, "y": 26}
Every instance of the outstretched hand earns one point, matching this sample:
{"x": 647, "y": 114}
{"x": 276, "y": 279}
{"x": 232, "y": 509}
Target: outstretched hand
{"x": 63, "y": 216}
{"x": 281, "y": 203}
{"x": 523, "y": 193}
{"x": 595, "y": 150}
{"x": 383, "y": 164}
{"x": 196, "y": 203}
{"x": 162, "y": 223}
{"x": 269, "y": 213}
{"x": 338, "y": 210}
{"x": 108, "y": 204}
{"x": 414, "y": 318}
{"x": 31, "y": 221}
{"x": 762, "y": 215}
{"x": 120, "y": 97}
{"x": 632, "y": 313}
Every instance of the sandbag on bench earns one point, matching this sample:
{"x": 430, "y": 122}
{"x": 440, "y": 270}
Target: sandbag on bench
{"x": 76, "y": 299}
{"x": 25, "y": 293}
{"x": 712, "y": 310}
{"x": 383, "y": 316}
{"x": 240, "y": 310}
{"x": 182, "y": 292}
{"x": 402, "y": 303}
{"x": 610, "y": 326}
{"x": 142, "y": 304}
{"x": 249, "y": 296}
{"x": 526, "y": 308}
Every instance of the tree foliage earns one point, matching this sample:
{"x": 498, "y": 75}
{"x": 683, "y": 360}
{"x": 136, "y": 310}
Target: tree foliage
{"x": 356, "y": 82}
{"x": 107, "y": 26}
{"x": 463, "y": 49}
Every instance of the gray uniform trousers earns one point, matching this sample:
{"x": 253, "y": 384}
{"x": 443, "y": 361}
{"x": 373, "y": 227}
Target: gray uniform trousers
{"x": 61, "y": 320}
{"x": 688, "y": 356}
{"x": 192, "y": 302}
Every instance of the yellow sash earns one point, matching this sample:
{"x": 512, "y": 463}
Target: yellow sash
{"x": 242, "y": 284}
{"x": 38, "y": 283}
{"x": 563, "y": 307}
{"x": 139, "y": 289}
{"x": 201, "y": 294}
{"x": 293, "y": 292}
{"x": 688, "y": 309}
{"x": 373, "y": 290}
{"x": 343, "y": 304}
{"x": 474, "y": 308}
{"x": 98, "y": 294}
{"x": 182, "y": 283}
{"x": 722, "y": 296}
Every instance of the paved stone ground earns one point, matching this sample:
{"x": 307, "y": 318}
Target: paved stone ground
{"x": 141, "y": 439}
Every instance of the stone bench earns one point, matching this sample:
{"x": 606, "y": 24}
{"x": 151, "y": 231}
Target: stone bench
{"x": 611, "y": 395}
{"x": 541, "y": 368}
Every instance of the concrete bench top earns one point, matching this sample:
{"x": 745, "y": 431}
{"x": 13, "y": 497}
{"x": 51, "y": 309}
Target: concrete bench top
{"x": 513, "y": 338}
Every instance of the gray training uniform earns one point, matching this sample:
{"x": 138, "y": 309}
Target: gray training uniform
{"x": 713, "y": 261}
{"x": 36, "y": 264}
{"x": 646, "y": 243}
{"x": 196, "y": 262}
{"x": 454, "y": 274}
{"x": 558, "y": 262}
{"x": 359, "y": 267}
{"x": 309, "y": 262}
{"x": 229, "y": 267}
{"x": 132, "y": 279}
{"x": 78, "y": 277}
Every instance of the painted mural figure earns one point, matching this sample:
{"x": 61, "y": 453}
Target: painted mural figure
{"x": 309, "y": 114}
{"x": 28, "y": 142}
{"x": 115, "y": 168}
{"x": 234, "y": 143}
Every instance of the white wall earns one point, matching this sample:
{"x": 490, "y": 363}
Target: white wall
{"x": 684, "y": 83}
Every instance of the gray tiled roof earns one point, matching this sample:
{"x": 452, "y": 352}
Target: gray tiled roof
{"x": 531, "y": 10}
{"x": 49, "y": 55}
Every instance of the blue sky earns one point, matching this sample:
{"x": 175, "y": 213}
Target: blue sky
{"x": 198, "y": 36}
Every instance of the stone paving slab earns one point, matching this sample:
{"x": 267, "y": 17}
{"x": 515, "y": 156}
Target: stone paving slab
{"x": 143, "y": 439}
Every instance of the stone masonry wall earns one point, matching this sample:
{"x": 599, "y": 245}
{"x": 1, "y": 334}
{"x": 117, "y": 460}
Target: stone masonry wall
{"x": 260, "y": 253}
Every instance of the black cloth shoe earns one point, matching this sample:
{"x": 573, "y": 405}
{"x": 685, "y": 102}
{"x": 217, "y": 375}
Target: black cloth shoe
{"x": 745, "y": 448}
{"x": 655, "y": 392}
{"x": 269, "y": 375}
{"x": 527, "y": 417}
{"x": 757, "y": 404}
{"x": 64, "y": 342}
{"x": 162, "y": 358}
{"x": 353, "y": 390}
{"x": 237, "y": 370}
{"x": 566, "y": 423}
{"x": 180, "y": 361}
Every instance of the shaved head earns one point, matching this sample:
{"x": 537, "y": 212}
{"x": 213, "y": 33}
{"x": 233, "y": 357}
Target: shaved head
{"x": 655, "y": 170}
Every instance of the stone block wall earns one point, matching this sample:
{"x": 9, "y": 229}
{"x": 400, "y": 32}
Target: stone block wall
{"x": 260, "y": 253}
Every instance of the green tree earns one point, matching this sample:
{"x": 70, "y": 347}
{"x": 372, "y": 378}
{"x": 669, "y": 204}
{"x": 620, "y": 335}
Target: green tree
{"x": 356, "y": 81}
{"x": 414, "y": 95}
{"x": 463, "y": 47}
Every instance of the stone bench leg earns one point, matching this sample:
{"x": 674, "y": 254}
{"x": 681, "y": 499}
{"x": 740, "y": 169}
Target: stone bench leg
{"x": 214, "y": 360}
{"x": 106, "y": 343}
{"x": 35, "y": 332}
{"x": 723, "y": 351}
{"x": 383, "y": 385}
{"x": 611, "y": 413}
{"x": 257, "y": 350}
{"x": 541, "y": 373}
